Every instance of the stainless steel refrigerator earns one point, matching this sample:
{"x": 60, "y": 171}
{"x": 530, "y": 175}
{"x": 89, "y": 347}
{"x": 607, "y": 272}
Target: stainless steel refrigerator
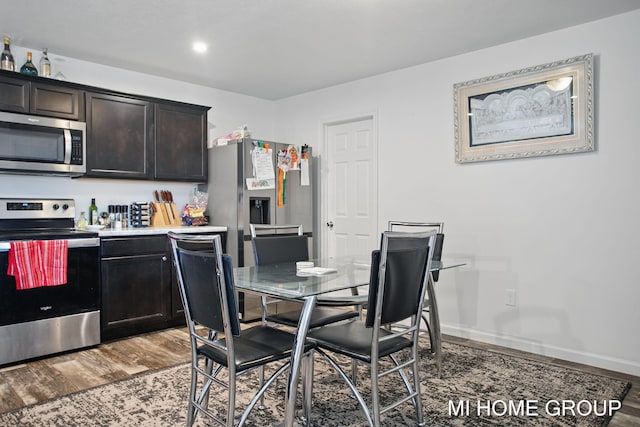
{"x": 238, "y": 196}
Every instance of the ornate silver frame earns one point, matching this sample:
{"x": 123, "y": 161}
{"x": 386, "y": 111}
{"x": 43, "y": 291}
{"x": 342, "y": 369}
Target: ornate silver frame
{"x": 523, "y": 113}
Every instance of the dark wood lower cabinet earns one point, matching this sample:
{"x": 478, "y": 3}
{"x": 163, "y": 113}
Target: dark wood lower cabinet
{"x": 139, "y": 286}
{"x": 136, "y": 285}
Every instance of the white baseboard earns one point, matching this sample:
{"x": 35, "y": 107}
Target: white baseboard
{"x": 597, "y": 360}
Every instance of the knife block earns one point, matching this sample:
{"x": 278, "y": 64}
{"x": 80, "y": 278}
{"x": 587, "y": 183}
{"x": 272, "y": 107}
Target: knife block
{"x": 165, "y": 214}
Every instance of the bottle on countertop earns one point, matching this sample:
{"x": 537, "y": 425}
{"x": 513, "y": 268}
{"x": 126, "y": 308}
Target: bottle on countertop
{"x": 7, "y": 58}
{"x": 125, "y": 216}
{"x": 82, "y": 222}
{"x": 28, "y": 68}
{"x": 93, "y": 213}
{"x": 118, "y": 209}
{"x": 112, "y": 217}
{"x": 45, "y": 64}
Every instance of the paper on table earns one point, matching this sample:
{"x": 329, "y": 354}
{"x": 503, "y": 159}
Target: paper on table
{"x": 316, "y": 271}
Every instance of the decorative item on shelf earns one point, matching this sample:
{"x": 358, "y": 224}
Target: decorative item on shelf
{"x": 28, "y": 68}
{"x": 238, "y": 134}
{"x": 45, "y": 64}
{"x": 7, "y": 58}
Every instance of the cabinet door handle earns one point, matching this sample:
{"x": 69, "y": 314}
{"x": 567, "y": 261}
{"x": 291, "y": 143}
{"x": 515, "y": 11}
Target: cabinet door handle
{"x": 164, "y": 258}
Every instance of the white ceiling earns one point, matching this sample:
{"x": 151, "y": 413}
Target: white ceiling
{"x": 277, "y": 48}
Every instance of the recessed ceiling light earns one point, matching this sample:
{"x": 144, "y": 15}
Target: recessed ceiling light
{"x": 200, "y": 47}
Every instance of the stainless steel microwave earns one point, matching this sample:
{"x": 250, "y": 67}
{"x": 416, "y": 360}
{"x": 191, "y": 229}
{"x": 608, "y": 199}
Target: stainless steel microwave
{"x": 42, "y": 145}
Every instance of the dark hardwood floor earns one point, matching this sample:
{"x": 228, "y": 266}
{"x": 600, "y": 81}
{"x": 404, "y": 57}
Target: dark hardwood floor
{"x": 39, "y": 380}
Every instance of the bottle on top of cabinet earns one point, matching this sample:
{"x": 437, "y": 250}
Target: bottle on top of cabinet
{"x": 28, "y": 68}
{"x": 45, "y": 64}
{"x": 93, "y": 213}
{"x": 7, "y": 58}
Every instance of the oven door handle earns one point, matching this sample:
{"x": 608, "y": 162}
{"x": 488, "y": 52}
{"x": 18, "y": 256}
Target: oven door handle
{"x": 89, "y": 242}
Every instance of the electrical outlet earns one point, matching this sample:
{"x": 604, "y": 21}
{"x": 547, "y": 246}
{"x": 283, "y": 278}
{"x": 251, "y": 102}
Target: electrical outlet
{"x": 511, "y": 297}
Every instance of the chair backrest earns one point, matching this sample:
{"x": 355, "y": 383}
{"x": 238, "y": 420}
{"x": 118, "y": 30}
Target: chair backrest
{"x": 399, "y": 276}
{"x": 276, "y": 248}
{"x": 206, "y": 283}
{"x": 439, "y": 226}
{"x": 274, "y": 229}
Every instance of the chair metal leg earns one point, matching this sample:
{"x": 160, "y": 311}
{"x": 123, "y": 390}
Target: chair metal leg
{"x": 417, "y": 401}
{"x": 354, "y": 372}
{"x": 191, "y": 412}
{"x": 205, "y": 394}
{"x": 375, "y": 394}
{"x": 307, "y": 388}
{"x": 412, "y": 389}
{"x": 425, "y": 320}
{"x": 434, "y": 321}
{"x": 261, "y": 377}
{"x": 231, "y": 406}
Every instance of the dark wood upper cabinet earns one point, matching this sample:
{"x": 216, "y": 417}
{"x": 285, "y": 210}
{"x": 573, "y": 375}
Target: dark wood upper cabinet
{"x": 128, "y": 136}
{"x": 119, "y": 137}
{"x": 57, "y": 101}
{"x": 180, "y": 142}
{"x": 14, "y": 94}
{"x": 19, "y": 95}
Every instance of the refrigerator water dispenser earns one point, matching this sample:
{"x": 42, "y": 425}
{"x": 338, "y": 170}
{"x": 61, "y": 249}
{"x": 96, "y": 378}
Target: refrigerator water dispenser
{"x": 259, "y": 210}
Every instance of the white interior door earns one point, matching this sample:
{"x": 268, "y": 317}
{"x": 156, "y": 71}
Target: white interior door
{"x": 351, "y": 196}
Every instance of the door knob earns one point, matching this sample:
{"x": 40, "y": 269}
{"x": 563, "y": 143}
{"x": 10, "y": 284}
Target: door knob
{"x": 330, "y": 225}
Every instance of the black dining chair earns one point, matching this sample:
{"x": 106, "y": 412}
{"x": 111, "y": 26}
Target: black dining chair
{"x": 287, "y": 243}
{"x": 397, "y": 285}
{"x": 208, "y": 294}
{"x": 437, "y": 256}
{"x": 430, "y": 305}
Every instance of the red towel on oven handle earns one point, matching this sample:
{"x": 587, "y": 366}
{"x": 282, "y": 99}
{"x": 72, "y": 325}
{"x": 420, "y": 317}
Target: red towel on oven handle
{"x": 54, "y": 261}
{"x": 37, "y": 263}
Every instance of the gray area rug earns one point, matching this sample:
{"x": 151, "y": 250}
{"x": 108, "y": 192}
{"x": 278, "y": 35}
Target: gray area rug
{"x": 517, "y": 391}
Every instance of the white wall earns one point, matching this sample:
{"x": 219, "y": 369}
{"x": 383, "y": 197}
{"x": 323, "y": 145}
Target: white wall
{"x": 229, "y": 111}
{"x": 562, "y": 231}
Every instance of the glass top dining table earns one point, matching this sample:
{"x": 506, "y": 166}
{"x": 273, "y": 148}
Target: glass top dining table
{"x": 285, "y": 281}
{"x": 328, "y": 275}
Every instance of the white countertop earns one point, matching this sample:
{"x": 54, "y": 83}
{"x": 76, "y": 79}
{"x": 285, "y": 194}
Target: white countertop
{"x": 140, "y": 231}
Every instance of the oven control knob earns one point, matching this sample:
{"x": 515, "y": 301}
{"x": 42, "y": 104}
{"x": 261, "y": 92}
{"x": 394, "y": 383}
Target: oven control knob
{"x": 65, "y": 207}
{"x": 56, "y": 206}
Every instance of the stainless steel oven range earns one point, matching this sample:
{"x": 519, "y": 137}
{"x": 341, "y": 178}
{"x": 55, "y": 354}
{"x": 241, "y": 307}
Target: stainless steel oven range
{"x": 48, "y": 319}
